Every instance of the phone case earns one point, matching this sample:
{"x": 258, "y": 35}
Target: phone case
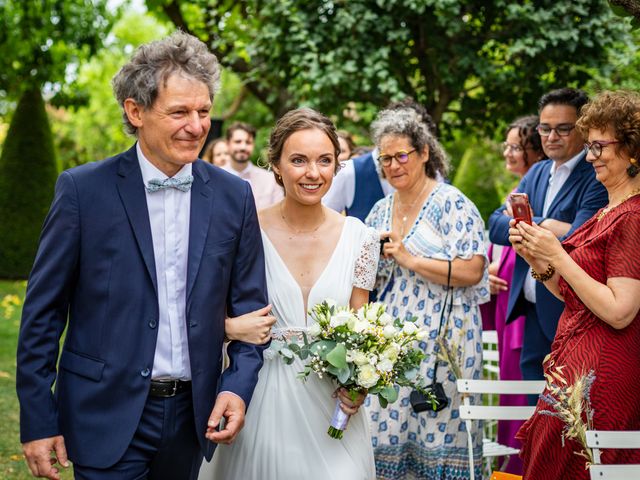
{"x": 520, "y": 207}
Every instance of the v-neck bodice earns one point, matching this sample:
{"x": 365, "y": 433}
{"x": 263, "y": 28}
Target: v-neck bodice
{"x": 335, "y": 281}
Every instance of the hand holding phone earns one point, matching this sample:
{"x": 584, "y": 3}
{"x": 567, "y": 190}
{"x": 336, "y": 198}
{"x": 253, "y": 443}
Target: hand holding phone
{"x": 520, "y": 207}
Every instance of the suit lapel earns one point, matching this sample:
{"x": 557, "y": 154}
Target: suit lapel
{"x": 199, "y": 219}
{"x": 131, "y": 190}
{"x": 540, "y": 189}
{"x": 567, "y": 188}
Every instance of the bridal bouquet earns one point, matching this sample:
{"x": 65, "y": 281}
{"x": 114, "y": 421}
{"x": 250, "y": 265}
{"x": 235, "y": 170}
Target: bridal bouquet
{"x": 363, "y": 351}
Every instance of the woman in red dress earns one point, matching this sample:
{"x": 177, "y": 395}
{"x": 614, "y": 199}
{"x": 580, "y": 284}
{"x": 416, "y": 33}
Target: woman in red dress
{"x": 597, "y": 274}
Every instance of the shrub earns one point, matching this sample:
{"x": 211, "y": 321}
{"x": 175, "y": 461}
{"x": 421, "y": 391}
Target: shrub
{"x": 27, "y": 177}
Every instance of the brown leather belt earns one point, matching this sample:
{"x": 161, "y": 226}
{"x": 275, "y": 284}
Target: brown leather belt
{"x": 168, "y": 388}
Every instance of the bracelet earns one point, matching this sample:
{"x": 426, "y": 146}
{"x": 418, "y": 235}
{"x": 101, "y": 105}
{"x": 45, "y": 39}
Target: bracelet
{"x": 543, "y": 277}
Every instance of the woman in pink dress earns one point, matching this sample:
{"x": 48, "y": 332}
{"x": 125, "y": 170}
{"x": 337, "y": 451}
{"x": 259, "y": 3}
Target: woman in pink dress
{"x": 522, "y": 149}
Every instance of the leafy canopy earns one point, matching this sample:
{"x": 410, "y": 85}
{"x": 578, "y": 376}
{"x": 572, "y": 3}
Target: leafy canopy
{"x": 470, "y": 63}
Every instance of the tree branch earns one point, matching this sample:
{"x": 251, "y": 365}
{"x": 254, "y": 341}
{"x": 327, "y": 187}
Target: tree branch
{"x": 631, "y": 6}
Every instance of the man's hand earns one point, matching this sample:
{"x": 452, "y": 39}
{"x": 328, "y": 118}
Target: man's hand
{"x": 39, "y": 459}
{"x": 232, "y": 408}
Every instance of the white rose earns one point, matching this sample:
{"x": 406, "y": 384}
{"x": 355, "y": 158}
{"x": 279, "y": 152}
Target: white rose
{"x": 360, "y": 358}
{"x": 386, "y": 319}
{"x": 372, "y": 314}
{"x": 391, "y": 352}
{"x": 367, "y": 376}
{"x": 422, "y": 334}
{"x": 385, "y": 365}
{"x": 315, "y": 329}
{"x": 360, "y": 326}
{"x": 339, "y": 319}
{"x": 409, "y": 328}
{"x": 360, "y": 313}
{"x": 389, "y": 331}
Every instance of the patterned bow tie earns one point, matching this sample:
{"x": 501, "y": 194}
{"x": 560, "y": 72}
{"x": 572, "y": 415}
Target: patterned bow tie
{"x": 182, "y": 183}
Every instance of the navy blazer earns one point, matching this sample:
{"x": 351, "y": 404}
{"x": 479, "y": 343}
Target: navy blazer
{"x": 95, "y": 274}
{"x": 577, "y": 201}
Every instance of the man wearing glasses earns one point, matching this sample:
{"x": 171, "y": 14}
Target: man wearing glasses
{"x": 563, "y": 193}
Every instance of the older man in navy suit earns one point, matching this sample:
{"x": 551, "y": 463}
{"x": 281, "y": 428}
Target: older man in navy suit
{"x": 141, "y": 258}
{"x": 563, "y": 193}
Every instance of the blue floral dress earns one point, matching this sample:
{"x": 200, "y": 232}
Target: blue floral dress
{"x": 431, "y": 445}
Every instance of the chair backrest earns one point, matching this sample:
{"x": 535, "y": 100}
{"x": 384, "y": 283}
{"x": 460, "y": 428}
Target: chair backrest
{"x": 503, "y": 387}
{"x": 614, "y": 472}
{"x": 490, "y": 354}
{"x": 613, "y": 439}
{"x": 597, "y": 439}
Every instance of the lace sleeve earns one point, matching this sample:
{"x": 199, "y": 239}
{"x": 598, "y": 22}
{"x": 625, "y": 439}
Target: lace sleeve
{"x": 366, "y": 266}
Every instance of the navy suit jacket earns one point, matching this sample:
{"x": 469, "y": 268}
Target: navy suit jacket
{"x": 577, "y": 201}
{"x": 94, "y": 274}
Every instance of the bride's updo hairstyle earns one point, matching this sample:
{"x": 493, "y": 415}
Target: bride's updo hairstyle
{"x": 293, "y": 121}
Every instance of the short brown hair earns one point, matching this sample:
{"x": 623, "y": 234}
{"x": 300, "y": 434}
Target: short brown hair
{"x": 250, "y": 129}
{"x": 293, "y": 121}
{"x": 620, "y": 111}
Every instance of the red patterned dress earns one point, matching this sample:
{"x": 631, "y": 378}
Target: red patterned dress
{"x": 604, "y": 249}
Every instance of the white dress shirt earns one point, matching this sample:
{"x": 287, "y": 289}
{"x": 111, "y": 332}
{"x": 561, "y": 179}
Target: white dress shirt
{"x": 557, "y": 178}
{"x": 265, "y": 190}
{"x": 169, "y": 211}
{"x": 343, "y": 188}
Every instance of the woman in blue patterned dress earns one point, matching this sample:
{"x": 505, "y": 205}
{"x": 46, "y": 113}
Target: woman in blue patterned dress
{"x": 427, "y": 223}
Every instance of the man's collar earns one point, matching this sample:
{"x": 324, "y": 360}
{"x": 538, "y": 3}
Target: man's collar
{"x": 149, "y": 170}
{"x": 569, "y": 164}
{"x": 244, "y": 171}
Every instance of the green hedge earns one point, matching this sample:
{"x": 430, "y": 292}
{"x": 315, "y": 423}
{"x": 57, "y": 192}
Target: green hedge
{"x": 477, "y": 177}
{"x": 27, "y": 178}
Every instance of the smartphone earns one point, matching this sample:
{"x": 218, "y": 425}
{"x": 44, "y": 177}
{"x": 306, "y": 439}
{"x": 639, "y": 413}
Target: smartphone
{"x": 520, "y": 207}
{"x": 382, "y": 242}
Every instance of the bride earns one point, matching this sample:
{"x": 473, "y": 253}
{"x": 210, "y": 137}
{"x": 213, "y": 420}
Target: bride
{"x": 311, "y": 253}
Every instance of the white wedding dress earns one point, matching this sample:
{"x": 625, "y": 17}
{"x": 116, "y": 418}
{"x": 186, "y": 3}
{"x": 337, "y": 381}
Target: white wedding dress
{"x": 285, "y": 434}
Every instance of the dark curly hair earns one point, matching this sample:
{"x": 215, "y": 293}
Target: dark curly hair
{"x": 529, "y": 136}
{"x": 619, "y": 111}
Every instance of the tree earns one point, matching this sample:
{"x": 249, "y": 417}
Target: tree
{"x": 476, "y": 176}
{"x": 471, "y": 63}
{"x": 41, "y": 41}
{"x": 27, "y": 175}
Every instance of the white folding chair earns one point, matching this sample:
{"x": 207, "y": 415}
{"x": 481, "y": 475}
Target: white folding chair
{"x": 490, "y": 355}
{"x": 598, "y": 439}
{"x": 468, "y": 412}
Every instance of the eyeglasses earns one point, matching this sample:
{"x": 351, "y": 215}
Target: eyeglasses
{"x": 596, "y": 146}
{"x": 401, "y": 157}
{"x": 562, "y": 130}
{"x": 512, "y": 147}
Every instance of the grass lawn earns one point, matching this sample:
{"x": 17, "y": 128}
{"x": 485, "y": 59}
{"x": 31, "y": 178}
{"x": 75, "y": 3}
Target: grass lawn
{"x": 12, "y": 464}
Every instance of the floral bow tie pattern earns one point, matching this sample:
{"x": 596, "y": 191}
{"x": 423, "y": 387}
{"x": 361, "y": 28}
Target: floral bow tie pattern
{"x": 181, "y": 183}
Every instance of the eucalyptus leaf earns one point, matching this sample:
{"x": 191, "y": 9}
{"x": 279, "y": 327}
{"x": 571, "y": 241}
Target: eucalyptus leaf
{"x": 338, "y": 356}
{"x": 390, "y": 394}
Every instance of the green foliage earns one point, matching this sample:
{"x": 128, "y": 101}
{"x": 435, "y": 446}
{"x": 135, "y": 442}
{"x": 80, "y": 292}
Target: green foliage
{"x": 475, "y": 177}
{"x": 40, "y": 39}
{"x": 471, "y": 63}
{"x": 95, "y": 130}
{"x": 27, "y": 177}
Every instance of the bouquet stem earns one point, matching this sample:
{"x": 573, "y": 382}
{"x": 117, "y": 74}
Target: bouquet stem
{"x": 338, "y": 422}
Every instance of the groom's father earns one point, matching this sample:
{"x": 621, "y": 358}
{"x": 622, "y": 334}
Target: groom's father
{"x": 140, "y": 258}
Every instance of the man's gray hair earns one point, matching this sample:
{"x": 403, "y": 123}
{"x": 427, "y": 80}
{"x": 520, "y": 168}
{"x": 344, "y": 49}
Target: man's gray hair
{"x": 406, "y": 122}
{"x": 153, "y": 63}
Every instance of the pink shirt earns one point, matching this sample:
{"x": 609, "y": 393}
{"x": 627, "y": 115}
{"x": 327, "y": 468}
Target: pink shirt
{"x": 266, "y": 191}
